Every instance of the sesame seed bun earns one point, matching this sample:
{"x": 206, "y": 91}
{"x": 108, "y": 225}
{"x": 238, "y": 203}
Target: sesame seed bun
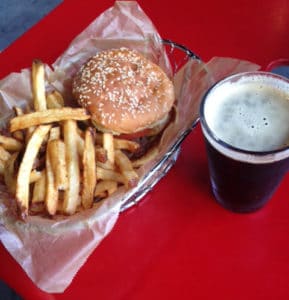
{"x": 123, "y": 91}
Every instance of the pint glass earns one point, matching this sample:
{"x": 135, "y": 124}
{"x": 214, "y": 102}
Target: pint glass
{"x": 245, "y": 122}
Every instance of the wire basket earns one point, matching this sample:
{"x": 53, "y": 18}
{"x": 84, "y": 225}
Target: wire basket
{"x": 178, "y": 55}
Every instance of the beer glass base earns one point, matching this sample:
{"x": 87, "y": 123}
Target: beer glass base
{"x": 240, "y": 210}
{"x": 233, "y": 207}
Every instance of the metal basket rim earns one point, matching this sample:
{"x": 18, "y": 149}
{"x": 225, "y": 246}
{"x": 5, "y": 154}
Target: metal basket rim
{"x": 181, "y": 47}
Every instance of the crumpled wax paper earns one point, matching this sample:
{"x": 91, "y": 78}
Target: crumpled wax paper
{"x": 52, "y": 251}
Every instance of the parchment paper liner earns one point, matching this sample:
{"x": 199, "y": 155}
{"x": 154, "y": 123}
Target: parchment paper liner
{"x": 52, "y": 251}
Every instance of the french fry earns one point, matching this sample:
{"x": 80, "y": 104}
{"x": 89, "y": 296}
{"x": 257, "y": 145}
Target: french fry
{"x": 119, "y": 143}
{"x": 89, "y": 171}
{"x": 123, "y": 144}
{"x": 9, "y": 173}
{"x": 19, "y": 134}
{"x": 28, "y": 131}
{"x": 18, "y": 110}
{"x": 105, "y": 188}
{"x": 39, "y": 189}
{"x": 38, "y": 85}
{"x": 149, "y": 156}
{"x": 80, "y": 144}
{"x": 56, "y": 151}
{"x": 101, "y": 154}
{"x": 71, "y": 194}
{"x": 35, "y": 176}
{"x": 106, "y": 165}
{"x": 54, "y": 100}
{"x": 10, "y": 143}
{"x": 108, "y": 146}
{"x": 106, "y": 174}
{"x": 2, "y": 167}
{"x": 51, "y": 193}
{"x": 126, "y": 168}
{"x": 60, "y": 203}
{"x": 31, "y": 151}
{"x": 47, "y": 116}
{"x": 54, "y": 133}
{"x": 4, "y": 154}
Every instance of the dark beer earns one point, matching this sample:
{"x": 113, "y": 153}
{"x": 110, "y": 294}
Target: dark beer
{"x": 245, "y": 121}
{"x": 241, "y": 186}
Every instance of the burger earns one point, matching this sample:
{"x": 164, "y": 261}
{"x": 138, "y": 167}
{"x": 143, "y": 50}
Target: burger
{"x": 126, "y": 94}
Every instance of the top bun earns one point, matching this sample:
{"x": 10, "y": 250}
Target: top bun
{"x": 123, "y": 91}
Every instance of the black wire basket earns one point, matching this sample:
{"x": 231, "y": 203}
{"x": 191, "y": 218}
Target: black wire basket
{"x": 178, "y": 56}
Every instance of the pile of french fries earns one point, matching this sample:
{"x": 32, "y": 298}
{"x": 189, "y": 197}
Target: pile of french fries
{"x": 54, "y": 162}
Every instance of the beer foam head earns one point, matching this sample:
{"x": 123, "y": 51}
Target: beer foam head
{"x": 249, "y": 111}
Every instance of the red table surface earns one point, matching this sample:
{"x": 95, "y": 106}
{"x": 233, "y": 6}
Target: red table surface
{"x": 178, "y": 242}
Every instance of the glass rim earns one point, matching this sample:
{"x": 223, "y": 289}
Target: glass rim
{"x": 221, "y": 142}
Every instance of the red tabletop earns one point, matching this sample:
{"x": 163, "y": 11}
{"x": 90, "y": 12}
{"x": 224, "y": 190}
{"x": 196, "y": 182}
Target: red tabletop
{"x": 177, "y": 243}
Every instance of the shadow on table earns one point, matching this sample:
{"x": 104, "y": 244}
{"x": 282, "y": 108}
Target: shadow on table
{"x": 17, "y": 16}
{"x": 6, "y": 293}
